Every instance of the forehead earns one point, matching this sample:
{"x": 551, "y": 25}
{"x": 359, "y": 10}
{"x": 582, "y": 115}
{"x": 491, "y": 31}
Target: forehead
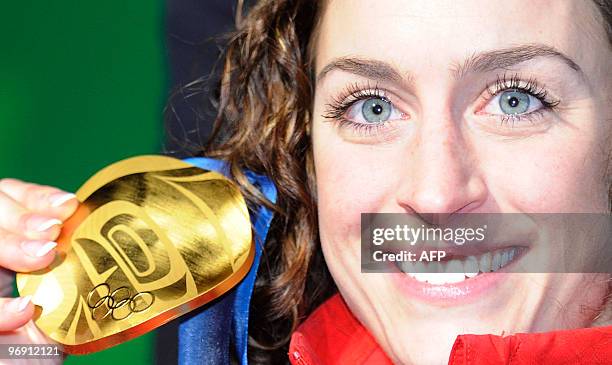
{"x": 418, "y": 34}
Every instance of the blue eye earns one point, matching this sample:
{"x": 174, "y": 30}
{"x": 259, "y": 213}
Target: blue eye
{"x": 364, "y": 106}
{"x": 514, "y": 102}
{"x": 376, "y": 110}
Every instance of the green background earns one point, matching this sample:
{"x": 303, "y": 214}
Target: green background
{"x": 82, "y": 84}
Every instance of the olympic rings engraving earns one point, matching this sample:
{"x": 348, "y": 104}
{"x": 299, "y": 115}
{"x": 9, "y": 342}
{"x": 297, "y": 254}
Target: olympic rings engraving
{"x": 119, "y": 300}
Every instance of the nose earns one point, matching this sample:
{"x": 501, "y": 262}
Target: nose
{"x": 441, "y": 175}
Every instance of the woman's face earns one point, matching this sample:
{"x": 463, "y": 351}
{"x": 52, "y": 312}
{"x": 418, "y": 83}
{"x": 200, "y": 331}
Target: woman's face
{"x": 470, "y": 107}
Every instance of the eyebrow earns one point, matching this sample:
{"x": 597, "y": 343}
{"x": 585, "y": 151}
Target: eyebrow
{"x": 478, "y": 62}
{"x": 368, "y": 68}
{"x": 506, "y": 57}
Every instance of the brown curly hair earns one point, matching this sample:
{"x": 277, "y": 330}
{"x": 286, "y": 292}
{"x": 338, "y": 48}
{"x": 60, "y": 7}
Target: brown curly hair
{"x": 264, "y": 114}
{"x": 265, "y": 101}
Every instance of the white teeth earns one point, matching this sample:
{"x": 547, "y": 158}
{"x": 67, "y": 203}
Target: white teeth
{"x": 496, "y": 264}
{"x": 420, "y": 267}
{"x": 484, "y": 263}
{"x": 470, "y": 267}
{"x": 504, "y": 260}
{"x": 454, "y": 271}
{"x": 454, "y": 266}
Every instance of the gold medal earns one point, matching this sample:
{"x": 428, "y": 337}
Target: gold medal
{"x": 153, "y": 239}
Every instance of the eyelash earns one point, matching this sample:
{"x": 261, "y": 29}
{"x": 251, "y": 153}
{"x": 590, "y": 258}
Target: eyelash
{"x": 513, "y": 83}
{"x": 355, "y": 92}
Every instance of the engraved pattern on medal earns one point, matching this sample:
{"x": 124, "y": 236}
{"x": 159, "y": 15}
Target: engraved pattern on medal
{"x": 149, "y": 242}
{"x": 120, "y": 303}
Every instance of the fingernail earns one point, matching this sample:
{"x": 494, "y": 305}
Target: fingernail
{"x": 38, "y": 248}
{"x": 58, "y": 199}
{"x": 41, "y": 224}
{"x": 18, "y": 305}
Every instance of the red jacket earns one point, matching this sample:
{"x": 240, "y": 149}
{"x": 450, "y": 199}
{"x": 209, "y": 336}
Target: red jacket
{"x": 332, "y": 336}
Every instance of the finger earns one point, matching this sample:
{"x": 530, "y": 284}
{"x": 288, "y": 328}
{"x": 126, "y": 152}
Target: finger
{"x": 17, "y": 219}
{"x": 21, "y": 254}
{"x": 43, "y": 199}
{"x": 15, "y": 312}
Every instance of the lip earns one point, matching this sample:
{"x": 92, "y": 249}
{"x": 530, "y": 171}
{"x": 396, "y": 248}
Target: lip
{"x": 452, "y": 294}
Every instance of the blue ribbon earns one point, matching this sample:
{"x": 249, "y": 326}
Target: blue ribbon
{"x": 206, "y": 335}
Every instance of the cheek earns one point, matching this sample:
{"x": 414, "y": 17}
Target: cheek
{"x": 547, "y": 176}
{"x": 350, "y": 181}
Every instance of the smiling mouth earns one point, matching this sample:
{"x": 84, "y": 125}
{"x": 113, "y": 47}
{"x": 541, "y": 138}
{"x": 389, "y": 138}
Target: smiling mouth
{"x": 457, "y": 269}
